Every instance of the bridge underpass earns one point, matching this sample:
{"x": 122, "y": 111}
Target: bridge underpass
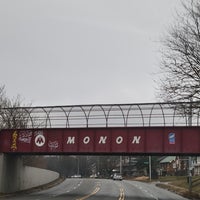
{"x": 128, "y": 129}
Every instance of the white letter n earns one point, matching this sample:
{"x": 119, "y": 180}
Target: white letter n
{"x": 102, "y": 140}
{"x": 136, "y": 139}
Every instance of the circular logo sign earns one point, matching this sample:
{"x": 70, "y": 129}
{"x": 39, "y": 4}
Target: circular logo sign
{"x": 39, "y": 140}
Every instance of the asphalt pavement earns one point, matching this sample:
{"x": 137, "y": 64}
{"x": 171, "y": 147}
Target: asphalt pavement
{"x": 99, "y": 189}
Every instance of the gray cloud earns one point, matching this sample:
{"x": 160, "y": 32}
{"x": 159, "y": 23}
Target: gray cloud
{"x": 78, "y": 52}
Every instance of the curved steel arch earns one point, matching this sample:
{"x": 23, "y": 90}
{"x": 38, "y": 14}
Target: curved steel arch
{"x": 120, "y": 109}
{"x": 166, "y": 114}
{"x": 47, "y": 119}
{"x": 83, "y": 111}
{"x": 67, "y": 120}
{"x": 101, "y": 109}
{"x": 59, "y": 109}
{"x": 29, "y": 114}
{"x": 163, "y": 116}
{"x": 131, "y": 106}
{"x": 68, "y": 116}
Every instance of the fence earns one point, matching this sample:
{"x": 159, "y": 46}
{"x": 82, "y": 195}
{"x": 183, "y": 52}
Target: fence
{"x": 102, "y": 115}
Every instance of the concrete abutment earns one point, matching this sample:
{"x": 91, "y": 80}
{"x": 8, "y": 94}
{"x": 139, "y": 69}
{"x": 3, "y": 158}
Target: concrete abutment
{"x": 14, "y": 176}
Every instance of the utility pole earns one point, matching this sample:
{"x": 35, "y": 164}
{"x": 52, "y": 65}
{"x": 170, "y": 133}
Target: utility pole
{"x": 190, "y": 173}
{"x": 78, "y": 169}
{"x": 189, "y": 158}
{"x": 149, "y": 168}
{"x": 120, "y": 165}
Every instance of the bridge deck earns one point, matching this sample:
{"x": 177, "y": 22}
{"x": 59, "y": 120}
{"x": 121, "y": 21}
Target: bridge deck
{"x": 120, "y": 128}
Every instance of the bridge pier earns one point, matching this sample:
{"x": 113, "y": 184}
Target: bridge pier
{"x": 11, "y": 169}
{"x": 15, "y": 176}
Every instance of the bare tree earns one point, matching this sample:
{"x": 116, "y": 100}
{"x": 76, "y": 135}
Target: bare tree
{"x": 11, "y": 115}
{"x": 181, "y": 57}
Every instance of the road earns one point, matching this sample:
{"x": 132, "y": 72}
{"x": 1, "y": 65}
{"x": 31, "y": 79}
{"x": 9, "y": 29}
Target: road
{"x": 100, "y": 189}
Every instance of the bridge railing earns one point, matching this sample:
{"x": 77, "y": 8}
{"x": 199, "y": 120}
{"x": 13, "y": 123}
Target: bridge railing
{"x": 102, "y": 115}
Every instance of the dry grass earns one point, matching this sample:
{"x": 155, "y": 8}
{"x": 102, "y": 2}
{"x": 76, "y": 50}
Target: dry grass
{"x": 142, "y": 178}
{"x": 179, "y": 184}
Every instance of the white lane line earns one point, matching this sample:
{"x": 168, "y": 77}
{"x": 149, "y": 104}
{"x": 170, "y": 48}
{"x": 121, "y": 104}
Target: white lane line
{"x": 74, "y": 188}
{"x": 146, "y": 191}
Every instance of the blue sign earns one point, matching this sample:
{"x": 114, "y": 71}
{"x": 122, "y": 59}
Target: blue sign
{"x": 171, "y": 138}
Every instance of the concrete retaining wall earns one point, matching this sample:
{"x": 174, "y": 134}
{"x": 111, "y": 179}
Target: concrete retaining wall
{"x": 14, "y": 176}
{"x": 35, "y": 176}
{"x": 1, "y": 171}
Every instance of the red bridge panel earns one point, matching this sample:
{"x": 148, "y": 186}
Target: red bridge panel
{"x": 172, "y": 140}
{"x": 70, "y": 140}
{"x": 55, "y": 140}
{"x": 86, "y": 140}
{"x": 190, "y": 140}
{"x": 40, "y": 141}
{"x": 154, "y": 140}
{"x": 119, "y": 140}
{"x": 136, "y": 140}
{"x": 24, "y": 140}
{"x": 103, "y": 140}
{"x": 6, "y": 143}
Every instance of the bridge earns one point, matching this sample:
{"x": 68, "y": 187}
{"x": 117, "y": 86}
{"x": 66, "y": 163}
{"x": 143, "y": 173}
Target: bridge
{"x": 149, "y": 128}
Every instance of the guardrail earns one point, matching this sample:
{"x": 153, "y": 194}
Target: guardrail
{"x": 102, "y": 115}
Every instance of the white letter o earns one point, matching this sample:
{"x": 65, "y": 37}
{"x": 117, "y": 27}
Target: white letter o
{"x": 86, "y": 140}
{"x": 119, "y": 140}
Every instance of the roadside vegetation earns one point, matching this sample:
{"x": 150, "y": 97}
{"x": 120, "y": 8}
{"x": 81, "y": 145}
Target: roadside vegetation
{"x": 179, "y": 185}
{"x": 180, "y": 56}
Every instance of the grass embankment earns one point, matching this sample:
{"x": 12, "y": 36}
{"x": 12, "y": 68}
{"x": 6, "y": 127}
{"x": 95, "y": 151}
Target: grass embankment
{"x": 179, "y": 184}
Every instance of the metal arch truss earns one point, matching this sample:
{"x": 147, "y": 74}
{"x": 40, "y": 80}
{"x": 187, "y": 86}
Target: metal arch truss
{"x": 102, "y": 115}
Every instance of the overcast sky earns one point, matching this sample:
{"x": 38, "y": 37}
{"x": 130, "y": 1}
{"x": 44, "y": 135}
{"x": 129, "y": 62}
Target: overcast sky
{"x": 66, "y": 52}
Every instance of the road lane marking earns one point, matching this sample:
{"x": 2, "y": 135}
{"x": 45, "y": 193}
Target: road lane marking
{"x": 121, "y": 195}
{"x": 146, "y": 191}
{"x": 75, "y": 187}
{"x": 91, "y": 194}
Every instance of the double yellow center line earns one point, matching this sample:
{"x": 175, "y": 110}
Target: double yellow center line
{"x": 91, "y": 194}
{"x": 121, "y": 194}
